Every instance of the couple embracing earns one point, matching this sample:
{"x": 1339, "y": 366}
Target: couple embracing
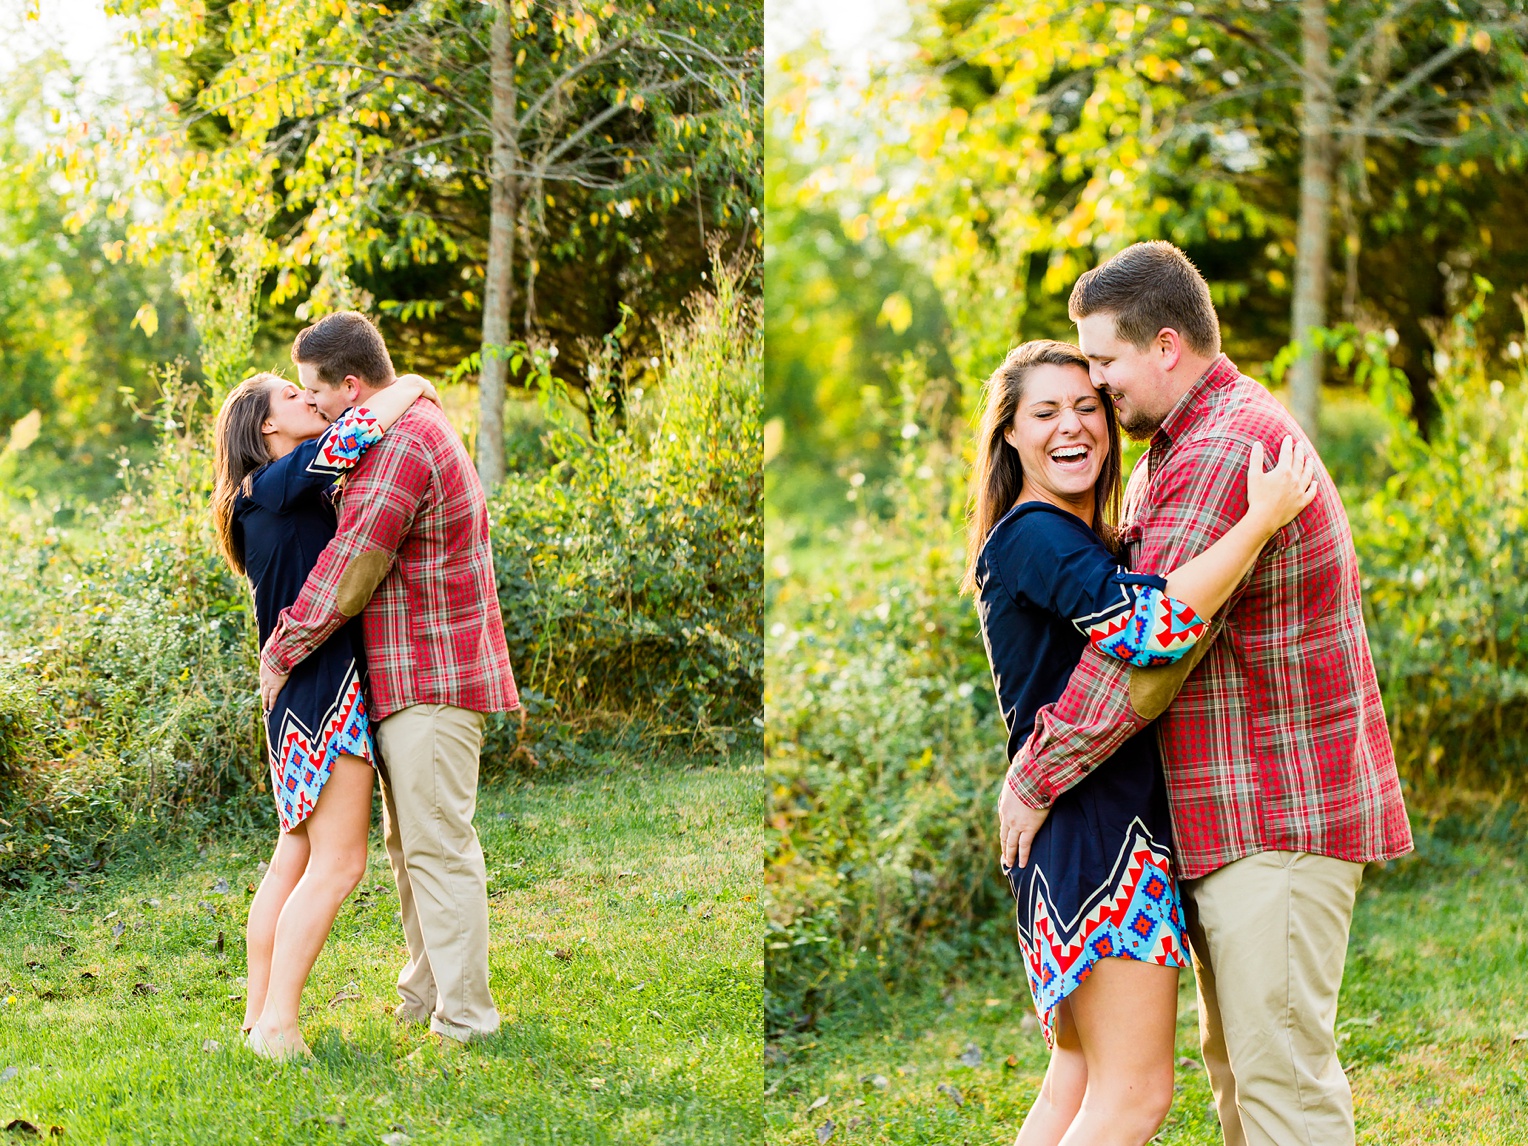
{"x": 354, "y": 511}
{"x": 1199, "y": 761}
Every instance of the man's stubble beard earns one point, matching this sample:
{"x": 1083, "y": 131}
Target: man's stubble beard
{"x": 1140, "y": 428}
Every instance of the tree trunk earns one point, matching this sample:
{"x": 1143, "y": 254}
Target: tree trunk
{"x": 1313, "y": 242}
{"x": 499, "y": 284}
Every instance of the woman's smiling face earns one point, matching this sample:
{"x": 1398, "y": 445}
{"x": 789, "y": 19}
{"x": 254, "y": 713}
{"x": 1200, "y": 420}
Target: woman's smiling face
{"x": 1061, "y": 434}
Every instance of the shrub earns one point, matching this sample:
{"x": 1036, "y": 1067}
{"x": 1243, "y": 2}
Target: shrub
{"x": 631, "y": 572}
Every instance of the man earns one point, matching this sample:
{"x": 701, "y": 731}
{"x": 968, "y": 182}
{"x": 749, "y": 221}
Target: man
{"x": 1277, "y": 755}
{"x": 412, "y": 551}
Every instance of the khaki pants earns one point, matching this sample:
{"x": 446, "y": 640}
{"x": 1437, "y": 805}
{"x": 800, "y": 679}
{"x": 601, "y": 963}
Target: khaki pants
{"x": 1269, "y": 935}
{"x": 429, "y": 793}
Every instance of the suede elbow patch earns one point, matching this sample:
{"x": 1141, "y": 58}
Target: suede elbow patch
{"x": 360, "y": 580}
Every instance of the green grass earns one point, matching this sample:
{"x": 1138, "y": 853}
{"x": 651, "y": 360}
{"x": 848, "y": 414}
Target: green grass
{"x": 1434, "y": 993}
{"x": 624, "y": 960}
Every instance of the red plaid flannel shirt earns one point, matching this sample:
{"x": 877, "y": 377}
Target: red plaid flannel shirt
{"x": 412, "y": 550}
{"x": 1278, "y": 739}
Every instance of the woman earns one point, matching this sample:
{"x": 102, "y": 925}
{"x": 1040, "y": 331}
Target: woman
{"x": 1100, "y": 922}
{"x": 277, "y": 462}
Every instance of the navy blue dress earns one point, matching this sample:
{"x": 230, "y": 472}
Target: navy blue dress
{"x": 283, "y": 518}
{"x": 1099, "y": 880}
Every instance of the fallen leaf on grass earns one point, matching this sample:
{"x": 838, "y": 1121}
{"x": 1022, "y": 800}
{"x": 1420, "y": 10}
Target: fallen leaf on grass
{"x": 563, "y": 954}
{"x": 1520, "y": 1037}
{"x": 1011, "y": 1062}
{"x": 879, "y": 1081}
{"x": 971, "y": 1056}
{"x": 335, "y": 1119}
{"x": 397, "y": 1139}
{"x": 116, "y": 932}
{"x": 32, "y": 965}
{"x": 817, "y": 1104}
{"x": 343, "y": 997}
{"x": 262, "y": 867}
{"x": 8, "y": 1073}
{"x": 145, "y": 989}
{"x": 596, "y": 1084}
{"x": 108, "y": 915}
{"x": 211, "y": 1046}
{"x": 825, "y": 1131}
{"x": 954, "y": 1093}
{"x": 220, "y": 887}
{"x": 22, "y": 1126}
{"x": 856, "y": 1123}
{"x": 1189, "y": 1063}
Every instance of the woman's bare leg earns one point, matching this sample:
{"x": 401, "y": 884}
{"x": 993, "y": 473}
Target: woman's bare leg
{"x": 336, "y": 831}
{"x": 286, "y": 867}
{"x": 1125, "y": 1015}
{"x": 1066, "y": 1078}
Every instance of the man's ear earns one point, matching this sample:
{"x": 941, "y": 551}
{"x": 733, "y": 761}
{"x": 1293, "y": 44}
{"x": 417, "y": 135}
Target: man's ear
{"x": 1169, "y": 347}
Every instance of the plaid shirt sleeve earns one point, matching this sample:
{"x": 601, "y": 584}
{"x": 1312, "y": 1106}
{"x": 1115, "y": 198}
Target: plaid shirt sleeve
{"x": 1196, "y": 492}
{"x": 382, "y": 497}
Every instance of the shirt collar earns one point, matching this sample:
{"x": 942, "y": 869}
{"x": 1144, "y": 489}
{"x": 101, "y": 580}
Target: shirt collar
{"x": 1220, "y": 373}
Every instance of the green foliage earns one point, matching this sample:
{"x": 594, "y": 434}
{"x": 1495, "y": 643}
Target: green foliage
{"x": 352, "y": 145}
{"x": 631, "y": 573}
{"x": 70, "y": 347}
{"x": 629, "y": 576}
{"x": 1444, "y": 550}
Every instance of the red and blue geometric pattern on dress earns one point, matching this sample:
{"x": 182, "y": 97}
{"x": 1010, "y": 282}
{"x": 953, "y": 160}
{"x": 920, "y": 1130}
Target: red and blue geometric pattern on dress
{"x": 301, "y": 761}
{"x": 346, "y": 439}
{"x": 1136, "y": 915}
{"x": 1150, "y": 628}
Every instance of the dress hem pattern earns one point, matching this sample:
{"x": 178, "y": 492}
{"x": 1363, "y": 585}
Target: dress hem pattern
{"x": 1136, "y": 914}
{"x": 302, "y": 767}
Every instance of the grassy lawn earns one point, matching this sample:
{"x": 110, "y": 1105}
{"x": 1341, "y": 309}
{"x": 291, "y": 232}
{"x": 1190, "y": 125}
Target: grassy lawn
{"x": 1434, "y": 994}
{"x": 625, "y": 961}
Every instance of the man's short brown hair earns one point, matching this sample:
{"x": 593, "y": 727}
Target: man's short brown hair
{"x": 344, "y": 343}
{"x": 1146, "y": 287}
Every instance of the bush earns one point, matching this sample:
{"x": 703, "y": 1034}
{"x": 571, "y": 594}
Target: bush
{"x": 885, "y": 749}
{"x": 1444, "y": 550}
{"x": 631, "y": 573}
{"x": 629, "y": 577}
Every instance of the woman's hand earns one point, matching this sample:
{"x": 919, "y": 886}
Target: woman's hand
{"x": 271, "y": 684}
{"x": 1017, "y": 826}
{"x": 1276, "y": 497}
{"x": 426, "y": 390}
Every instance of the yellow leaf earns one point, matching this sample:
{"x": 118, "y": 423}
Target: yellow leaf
{"x": 147, "y": 319}
{"x": 1481, "y": 41}
{"x": 638, "y": 103}
{"x": 896, "y": 312}
{"x": 24, "y": 431}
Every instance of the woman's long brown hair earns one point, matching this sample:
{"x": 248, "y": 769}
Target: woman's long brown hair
{"x": 998, "y": 476}
{"x": 238, "y": 450}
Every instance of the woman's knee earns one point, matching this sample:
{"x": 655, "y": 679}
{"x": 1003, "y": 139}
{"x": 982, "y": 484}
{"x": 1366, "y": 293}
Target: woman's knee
{"x": 346, "y": 868}
{"x": 1137, "y": 1103}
